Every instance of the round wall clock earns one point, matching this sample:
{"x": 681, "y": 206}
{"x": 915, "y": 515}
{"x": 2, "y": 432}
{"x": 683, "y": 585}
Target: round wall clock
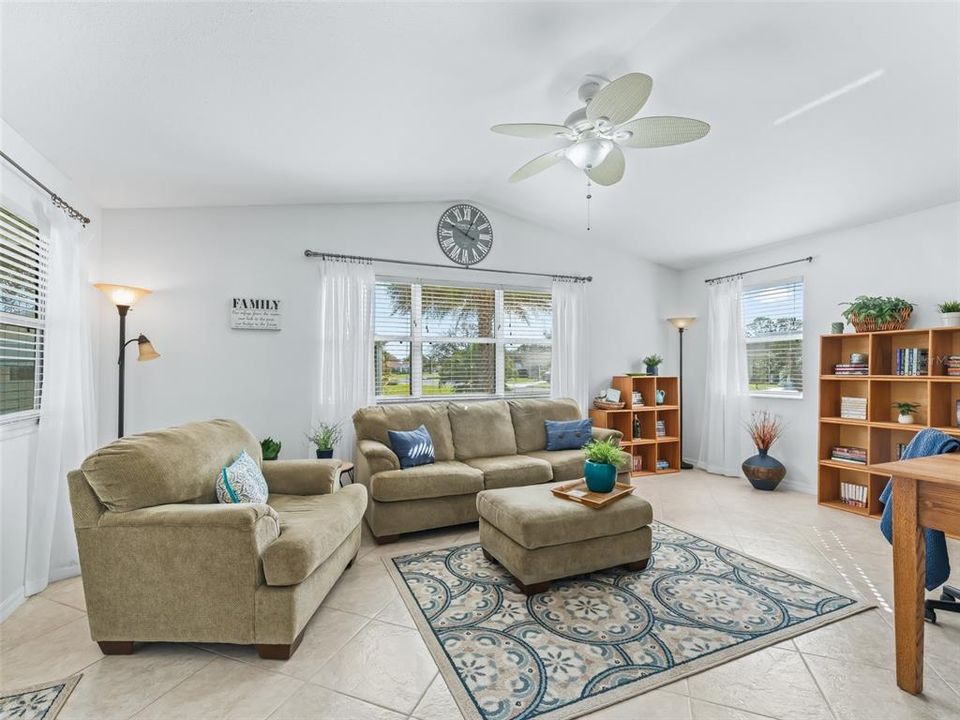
{"x": 464, "y": 234}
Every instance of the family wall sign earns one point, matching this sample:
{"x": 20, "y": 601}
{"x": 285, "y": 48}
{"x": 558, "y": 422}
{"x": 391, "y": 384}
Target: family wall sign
{"x": 254, "y": 314}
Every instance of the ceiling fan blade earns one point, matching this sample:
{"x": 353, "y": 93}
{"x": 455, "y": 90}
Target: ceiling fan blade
{"x": 622, "y": 99}
{"x": 651, "y": 132}
{"x": 610, "y": 171}
{"x": 532, "y": 130}
{"x": 538, "y": 164}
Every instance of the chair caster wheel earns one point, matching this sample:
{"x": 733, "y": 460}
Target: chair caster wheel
{"x": 930, "y": 615}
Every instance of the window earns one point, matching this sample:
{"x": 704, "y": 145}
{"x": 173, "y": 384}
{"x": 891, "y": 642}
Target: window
{"x": 435, "y": 340}
{"x": 773, "y": 326}
{"x": 23, "y": 289}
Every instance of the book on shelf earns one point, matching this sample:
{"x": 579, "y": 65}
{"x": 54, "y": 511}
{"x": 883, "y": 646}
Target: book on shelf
{"x": 951, "y": 365}
{"x": 851, "y": 369}
{"x": 911, "y": 361}
{"x": 637, "y": 463}
{"x": 855, "y": 455}
{"x": 663, "y": 465}
{"x": 853, "y": 494}
{"x": 900, "y": 448}
{"x": 853, "y": 408}
{"x": 661, "y": 428}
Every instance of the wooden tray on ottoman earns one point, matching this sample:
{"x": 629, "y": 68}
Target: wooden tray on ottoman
{"x": 577, "y": 491}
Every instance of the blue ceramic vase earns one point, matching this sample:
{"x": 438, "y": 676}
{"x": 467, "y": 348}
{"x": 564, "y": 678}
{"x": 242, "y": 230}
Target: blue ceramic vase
{"x": 600, "y": 477}
{"x": 763, "y": 472}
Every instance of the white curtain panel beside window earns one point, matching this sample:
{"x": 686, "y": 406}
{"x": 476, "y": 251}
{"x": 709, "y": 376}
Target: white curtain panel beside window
{"x": 67, "y": 432}
{"x": 569, "y": 376}
{"x": 344, "y": 380}
{"x": 722, "y": 440}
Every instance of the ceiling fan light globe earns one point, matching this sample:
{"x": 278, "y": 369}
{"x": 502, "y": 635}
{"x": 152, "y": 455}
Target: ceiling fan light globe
{"x": 589, "y": 153}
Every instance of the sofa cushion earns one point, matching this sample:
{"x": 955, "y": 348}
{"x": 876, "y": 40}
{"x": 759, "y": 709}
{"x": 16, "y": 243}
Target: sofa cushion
{"x": 373, "y": 423}
{"x": 566, "y": 464}
{"x": 535, "y": 518}
{"x": 568, "y": 434}
{"x": 482, "y": 429}
{"x": 176, "y": 465}
{"x": 242, "y": 482}
{"x": 512, "y": 470}
{"x": 426, "y": 481}
{"x": 312, "y": 527}
{"x": 412, "y": 447}
{"x": 528, "y": 417}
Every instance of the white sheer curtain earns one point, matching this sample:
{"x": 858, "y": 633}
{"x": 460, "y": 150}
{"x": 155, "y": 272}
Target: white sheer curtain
{"x": 67, "y": 431}
{"x": 723, "y": 438}
{"x": 345, "y": 346}
{"x": 568, "y": 367}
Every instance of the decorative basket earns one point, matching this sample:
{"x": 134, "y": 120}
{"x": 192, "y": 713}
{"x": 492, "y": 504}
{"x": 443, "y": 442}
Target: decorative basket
{"x": 871, "y": 325}
{"x": 607, "y": 405}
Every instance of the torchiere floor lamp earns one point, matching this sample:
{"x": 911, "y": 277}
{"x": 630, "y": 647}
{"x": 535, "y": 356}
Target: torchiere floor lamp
{"x": 681, "y": 324}
{"x": 124, "y": 297}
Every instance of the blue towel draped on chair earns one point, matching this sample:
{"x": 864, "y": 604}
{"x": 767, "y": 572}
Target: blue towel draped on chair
{"x": 926, "y": 442}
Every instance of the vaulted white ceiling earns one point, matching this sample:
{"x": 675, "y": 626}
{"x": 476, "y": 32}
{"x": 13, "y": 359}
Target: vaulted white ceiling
{"x": 150, "y": 104}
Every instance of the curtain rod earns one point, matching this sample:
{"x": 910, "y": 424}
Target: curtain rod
{"x": 807, "y": 259}
{"x": 54, "y": 198}
{"x": 360, "y": 258}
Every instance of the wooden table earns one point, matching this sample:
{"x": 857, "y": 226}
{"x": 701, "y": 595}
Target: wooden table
{"x": 926, "y": 494}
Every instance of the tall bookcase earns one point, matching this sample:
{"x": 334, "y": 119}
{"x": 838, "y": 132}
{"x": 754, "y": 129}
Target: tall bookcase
{"x": 648, "y": 446}
{"x": 881, "y": 434}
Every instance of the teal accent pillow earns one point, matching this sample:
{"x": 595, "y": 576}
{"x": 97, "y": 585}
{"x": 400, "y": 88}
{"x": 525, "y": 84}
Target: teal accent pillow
{"x": 568, "y": 434}
{"x": 242, "y": 482}
{"x": 412, "y": 448}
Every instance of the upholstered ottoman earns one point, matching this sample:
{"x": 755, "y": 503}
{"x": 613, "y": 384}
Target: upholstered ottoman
{"x": 539, "y": 537}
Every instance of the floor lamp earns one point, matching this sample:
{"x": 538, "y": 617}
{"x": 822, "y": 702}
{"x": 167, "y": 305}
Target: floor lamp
{"x": 124, "y": 297}
{"x": 681, "y": 324}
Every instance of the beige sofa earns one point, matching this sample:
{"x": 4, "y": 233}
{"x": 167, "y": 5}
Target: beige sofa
{"x": 163, "y": 561}
{"x": 478, "y": 446}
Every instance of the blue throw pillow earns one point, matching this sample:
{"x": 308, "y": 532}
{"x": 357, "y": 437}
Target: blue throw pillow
{"x": 413, "y": 448}
{"x": 242, "y": 482}
{"x": 568, "y": 434}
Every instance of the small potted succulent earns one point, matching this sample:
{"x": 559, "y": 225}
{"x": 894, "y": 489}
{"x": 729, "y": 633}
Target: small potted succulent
{"x": 906, "y": 411}
{"x": 950, "y": 313}
{"x": 762, "y": 470}
{"x": 653, "y": 364}
{"x": 270, "y": 448}
{"x": 870, "y": 314}
{"x": 604, "y": 458}
{"x": 325, "y": 436}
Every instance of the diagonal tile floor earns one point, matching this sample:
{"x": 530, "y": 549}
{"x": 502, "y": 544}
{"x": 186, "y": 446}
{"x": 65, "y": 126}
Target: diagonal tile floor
{"x": 361, "y": 657}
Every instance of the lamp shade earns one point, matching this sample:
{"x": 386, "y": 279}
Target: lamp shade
{"x": 681, "y": 322}
{"x": 145, "y": 350}
{"x": 122, "y": 295}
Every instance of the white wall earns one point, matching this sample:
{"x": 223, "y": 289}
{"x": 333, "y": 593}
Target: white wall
{"x": 915, "y": 256}
{"x": 196, "y": 259}
{"x": 18, "y": 442}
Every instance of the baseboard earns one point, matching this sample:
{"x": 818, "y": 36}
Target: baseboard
{"x": 11, "y": 603}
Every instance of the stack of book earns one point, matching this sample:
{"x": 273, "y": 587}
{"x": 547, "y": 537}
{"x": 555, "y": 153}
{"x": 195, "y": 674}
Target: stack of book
{"x": 853, "y": 408}
{"x": 853, "y": 494}
{"x": 952, "y": 365}
{"x": 661, "y": 428}
{"x": 911, "y": 361}
{"x": 637, "y": 463}
{"x": 851, "y": 369}
{"x": 663, "y": 465}
{"x": 637, "y": 398}
{"x": 900, "y": 448}
{"x": 855, "y": 455}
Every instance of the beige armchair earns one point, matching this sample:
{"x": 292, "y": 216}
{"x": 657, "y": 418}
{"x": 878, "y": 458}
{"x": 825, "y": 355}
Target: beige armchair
{"x": 163, "y": 561}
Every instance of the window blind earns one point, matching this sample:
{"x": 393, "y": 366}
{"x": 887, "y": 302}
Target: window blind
{"x": 773, "y": 328}
{"x": 24, "y": 257}
{"x": 434, "y": 340}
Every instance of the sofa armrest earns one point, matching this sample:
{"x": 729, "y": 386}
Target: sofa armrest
{"x": 302, "y": 477}
{"x": 605, "y": 433}
{"x": 239, "y": 516}
{"x": 378, "y": 456}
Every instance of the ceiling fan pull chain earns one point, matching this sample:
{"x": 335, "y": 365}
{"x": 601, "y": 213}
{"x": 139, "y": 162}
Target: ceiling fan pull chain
{"x": 588, "y": 203}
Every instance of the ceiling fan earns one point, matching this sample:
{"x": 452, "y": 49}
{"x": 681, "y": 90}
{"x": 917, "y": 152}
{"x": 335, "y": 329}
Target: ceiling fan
{"x": 598, "y": 130}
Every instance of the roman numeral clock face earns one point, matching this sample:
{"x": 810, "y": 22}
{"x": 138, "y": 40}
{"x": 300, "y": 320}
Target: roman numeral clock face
{"x": 464, "y": 234}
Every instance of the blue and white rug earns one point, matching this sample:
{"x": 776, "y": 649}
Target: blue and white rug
{"x": 39, "y": 702}
{"x": 598, "y": 639}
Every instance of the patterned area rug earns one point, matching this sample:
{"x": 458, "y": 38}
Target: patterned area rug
{"x": 39, "y": 702}
{"x": 598, "y": 639}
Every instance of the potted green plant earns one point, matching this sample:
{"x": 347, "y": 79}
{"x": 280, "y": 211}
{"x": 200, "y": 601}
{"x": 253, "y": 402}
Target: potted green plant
{"x": 906, "y": 411}
{"x": 270, "y": 448}
{"x": 870, "y": 314}
{"x": 950, "y": 313}
{"x": 762, "y": 470}
{"x": 604, "y": 458}
{"x": 653, "y": 363}
{"x": 325, "y": 436}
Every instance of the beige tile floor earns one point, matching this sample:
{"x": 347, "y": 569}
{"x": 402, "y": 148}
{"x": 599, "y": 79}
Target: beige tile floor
{"x": 362, "y": 658}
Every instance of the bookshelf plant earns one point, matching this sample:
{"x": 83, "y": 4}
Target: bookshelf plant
{"x": 657, "y": 449}
{"x": 854, "y": 435}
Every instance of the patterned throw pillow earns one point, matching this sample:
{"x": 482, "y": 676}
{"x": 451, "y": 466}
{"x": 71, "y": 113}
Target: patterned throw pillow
{"x": 568, "y": 434}
{"x": 242, "y": 482}
{"x": 413, "y": 448}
